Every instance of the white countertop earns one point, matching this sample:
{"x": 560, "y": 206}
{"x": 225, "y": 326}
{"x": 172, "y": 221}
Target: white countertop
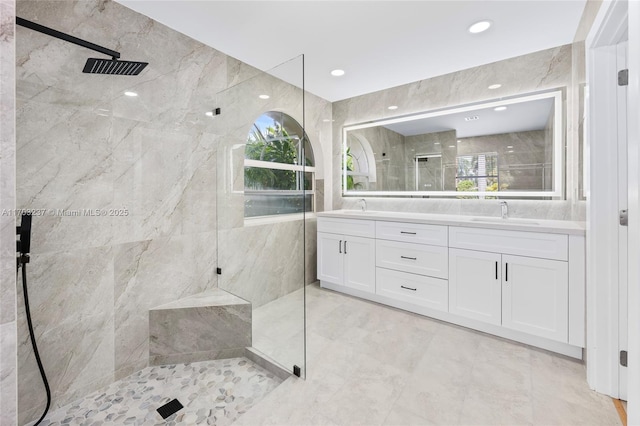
{"x": 513, "y": 224}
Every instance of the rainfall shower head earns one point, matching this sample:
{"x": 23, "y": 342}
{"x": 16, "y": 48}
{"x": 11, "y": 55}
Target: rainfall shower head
{"x": 113, "y": 66}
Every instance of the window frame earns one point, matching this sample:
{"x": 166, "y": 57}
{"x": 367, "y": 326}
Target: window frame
{"x": 299, "y": 169}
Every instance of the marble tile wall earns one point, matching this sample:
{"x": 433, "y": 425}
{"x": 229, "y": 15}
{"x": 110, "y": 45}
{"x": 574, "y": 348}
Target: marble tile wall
{"x": 389, "y": 155}
{"x": 559, "y": 67}
{"x": 8, "y": 330}
{"x": 443, "y": 143}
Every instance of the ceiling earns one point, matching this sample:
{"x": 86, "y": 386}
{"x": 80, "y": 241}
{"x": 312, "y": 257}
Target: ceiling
{"x": 517, "y": 117}
{"x": 379, "y": 44}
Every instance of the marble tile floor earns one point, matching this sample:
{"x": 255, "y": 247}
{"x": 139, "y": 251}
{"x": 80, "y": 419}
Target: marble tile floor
{"x": 369, "y": 364}
{"x": 212, "y": 393}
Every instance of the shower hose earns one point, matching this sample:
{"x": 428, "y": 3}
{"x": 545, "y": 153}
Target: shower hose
{"x": 33, "y": 342}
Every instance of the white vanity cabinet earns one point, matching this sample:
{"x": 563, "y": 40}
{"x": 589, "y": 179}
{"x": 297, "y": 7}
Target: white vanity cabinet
{"x": 521, "y": 283}
{"x": 412, "y": 264}
{"x": 346, "y": 253}
{"x": 527, "y": 292}
{"x": 475, "y": 287}
{"x": 517, "y": 292}
{"x": 535, "y": 296}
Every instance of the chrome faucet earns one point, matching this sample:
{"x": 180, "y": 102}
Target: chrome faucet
{"x": 364, "y": 204}
{"x": 504, "y": 209}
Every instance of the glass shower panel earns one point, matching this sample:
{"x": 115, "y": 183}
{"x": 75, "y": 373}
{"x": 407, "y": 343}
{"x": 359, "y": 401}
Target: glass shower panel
{"x": 262, "y": 196}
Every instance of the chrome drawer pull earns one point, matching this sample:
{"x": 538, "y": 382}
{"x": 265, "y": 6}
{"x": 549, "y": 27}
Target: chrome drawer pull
{"x": 410, "y": 258}
{"x": 408, "y": 288}
{"x": 405, "y": 232}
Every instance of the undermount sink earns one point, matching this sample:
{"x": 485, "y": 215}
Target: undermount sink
{"x": 514, "y": 221}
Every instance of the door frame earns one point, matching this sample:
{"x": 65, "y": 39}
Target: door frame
{"x": 633, "y": 150}
{"x": 616, "y": 20}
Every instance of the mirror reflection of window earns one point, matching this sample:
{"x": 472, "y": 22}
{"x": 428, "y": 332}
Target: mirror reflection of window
{"x": 477, "y": 173}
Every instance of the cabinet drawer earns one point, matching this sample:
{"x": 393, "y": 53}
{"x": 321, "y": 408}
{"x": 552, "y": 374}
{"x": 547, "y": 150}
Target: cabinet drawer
{"x": 412, "y": 233}
{"x": 355, "y": 227}
{"x": 532, "y": 244}
{"x": 416, "y": 289}
{"x": 414, "y": 258}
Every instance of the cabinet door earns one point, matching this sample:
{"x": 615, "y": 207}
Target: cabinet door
{"x": 330, "y": 258}
{"x": 360, "y": 263}
{"x": 535, "y": 296}
{"x": 474, "y": 285}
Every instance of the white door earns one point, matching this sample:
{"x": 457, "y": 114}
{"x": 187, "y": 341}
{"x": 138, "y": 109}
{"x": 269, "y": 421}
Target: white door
{"x": 535, "y": 296}
{"x": 330, "y": 258}
{"x": 474, "y": 285}
{"x": 622, "y": 230}
{"x": 360, "y": 263}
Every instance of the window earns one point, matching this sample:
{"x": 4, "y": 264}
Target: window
{"x": 477, "y": 172}
{"x": 279, "y": 172}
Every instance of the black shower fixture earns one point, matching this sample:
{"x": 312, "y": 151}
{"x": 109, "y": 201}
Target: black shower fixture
{"x": 113, "y": 66}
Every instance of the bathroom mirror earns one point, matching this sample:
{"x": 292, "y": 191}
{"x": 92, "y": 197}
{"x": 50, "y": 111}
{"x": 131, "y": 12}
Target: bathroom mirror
{"x": 510, "y": 147}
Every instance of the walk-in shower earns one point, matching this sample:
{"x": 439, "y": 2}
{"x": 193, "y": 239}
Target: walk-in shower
{"x": 168, "y": 173}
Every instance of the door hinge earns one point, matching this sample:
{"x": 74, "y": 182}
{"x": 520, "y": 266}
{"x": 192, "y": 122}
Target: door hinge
{"x": 623, "y": 77}
{"x": 624, "y": 217}
{"x": 623, "y": 358}
{"x": 296, "y": 370}
{"x": 219, "y": 271}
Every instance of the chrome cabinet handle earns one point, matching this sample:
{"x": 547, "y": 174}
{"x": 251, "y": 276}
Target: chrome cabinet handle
{"x": 409, "y": 233}
{"x": 506, "y": 272}
{"x": 340, "y": 246}
{"x": 345, "y": 246}
{"x": 410, "y": 258}
{"x": 408, "y": 288}
{"x": 496, "y": 269}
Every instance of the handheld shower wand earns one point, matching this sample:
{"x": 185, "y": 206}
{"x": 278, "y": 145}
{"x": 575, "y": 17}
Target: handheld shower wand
{"x": 23, "y": 249}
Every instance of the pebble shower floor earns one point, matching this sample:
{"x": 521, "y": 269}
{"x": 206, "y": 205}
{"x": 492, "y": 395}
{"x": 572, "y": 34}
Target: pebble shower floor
{"x": 212, "y": 393}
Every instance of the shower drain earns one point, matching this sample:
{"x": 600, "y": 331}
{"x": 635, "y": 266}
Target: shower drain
{"x": 170, "y": 408}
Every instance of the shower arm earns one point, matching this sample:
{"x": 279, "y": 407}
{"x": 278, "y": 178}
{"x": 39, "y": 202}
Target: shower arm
{"x": 66, "y": 37}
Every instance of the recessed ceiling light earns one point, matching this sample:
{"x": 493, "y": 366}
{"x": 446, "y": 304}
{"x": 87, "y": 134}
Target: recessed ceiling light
{"x": 436, "y": 143}
{"x": 393, "y": 107}
{"x": 337, "y": 73}
{"x": 509, "y": 151}
{"x": 452, "y": 146}
{"x": 458, "y": 141}
{"x": 500, "y": 108}
{"x": 495, "y": 86}
{"x": 264, "y": 96}
{"x": 132, "y": 94}
{"x": 479, "y": 27}
{"x": 209, "y": 113}
{"x": 509, "y": 146}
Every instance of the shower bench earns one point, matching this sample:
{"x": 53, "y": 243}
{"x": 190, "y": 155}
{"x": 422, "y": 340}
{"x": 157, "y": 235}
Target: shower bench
{"x": 211, "y": 325}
